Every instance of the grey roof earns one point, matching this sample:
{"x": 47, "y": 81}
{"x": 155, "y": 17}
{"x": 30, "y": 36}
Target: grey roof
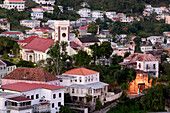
{"x": 89, "y": 39}
{"x": 2, "y": 94}
{"x": 65, "y": 76}
{"x": 96, "y": 85}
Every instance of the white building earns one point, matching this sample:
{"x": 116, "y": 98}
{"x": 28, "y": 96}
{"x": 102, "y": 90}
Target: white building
{"x": 30, "y": 23}
{"x": 81, "y": 82}
{"x": 16, "y": 35}
{"x": 126, "y": 19}
{"x": 35, "y": 97}
{"x": 156, "y": 39}
{"x": 97, "y": 14}
{"x": 168, "y": 40}
{"x": 146, "y": 48}
{"x": 11, "y": 4}
{"x": 51, "y": 2}
{"x": 143, "y": 62}
{"x": 84, "y": 12}
{"x": 111, "y": 14}
{"x": 36, "y": 15}
{"x": 4, "y": 24}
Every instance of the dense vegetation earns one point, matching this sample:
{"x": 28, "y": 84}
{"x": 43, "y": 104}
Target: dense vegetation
{"x": 125, "y": 6}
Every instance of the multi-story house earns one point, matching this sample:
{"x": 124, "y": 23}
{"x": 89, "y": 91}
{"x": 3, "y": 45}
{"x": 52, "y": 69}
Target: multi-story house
{"x": 34, "y": 98}
{"x": 84, "y": 12}
{"x": 83, "y": 30}
{"x": 167, "y": 19}
{"x": 4, "y": 24}
{"x": 143, "y": 62}
{"x": 10, "y": 67}
{"x": 146, "y": 48}
{"x": 81, "y": 82}
{"x": 30, "y": 23}
{"x": 111, "y": 14}
{"x": 97, "y": 14}
{"x": 36, "y": 15}
{"x": 156, "y": 39}
{"x": 12, "y": 4}
{"x": 30, "y": 75}
{"x": 16, "y": 35}
{"x": 46, "y": 2}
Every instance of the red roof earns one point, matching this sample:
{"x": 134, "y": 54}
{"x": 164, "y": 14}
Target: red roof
{"x": 22, "y": 86}
{"x": 80, "y": 71}
{"x": 15, "y": 0}
{"x": 12, "y": 33}
{"x": 19, "y": 98}
{"x": 83, "y": 28}
{"x": 39, "y": 44}
{"x": 116, "y": 19}
{"x": 4, "y": 22}
{"x": 2, "y": 63}
{"x": 27, "y": 40}
{"x": 31, "y": 74}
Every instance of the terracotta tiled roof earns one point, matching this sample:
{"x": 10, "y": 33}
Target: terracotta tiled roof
{"x": 141, "y": 57}
{"x": 22, "y": 86}
{"x": 39, "y": 44}
{"x": 19, "y": 98}
{"x": 31, "y": 74}
{"x": 83, "y": 28}
{"x": 80, "y": 71}
{"x": 27, "y": 40}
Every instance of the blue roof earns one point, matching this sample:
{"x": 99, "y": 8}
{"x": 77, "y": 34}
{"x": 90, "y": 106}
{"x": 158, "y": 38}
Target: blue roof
{"x": 36, "y": 12}
{"x": 30, "y": 20}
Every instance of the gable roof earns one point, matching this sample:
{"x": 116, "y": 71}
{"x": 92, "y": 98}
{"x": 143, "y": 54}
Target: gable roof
{"x": 39, "y": 44}
{"x": 16, "y": 1}
{"x": 27, "y": 40}
{"x": 31, "y": 74}
{"x": 80, "y": 71}
{"x": 8, "y": 63}
{"x": 141, "y": 57}
{"x": 84, "y": 28}
{"x": 19, "y": 99}
{"x": 89, "y": 39}
{"x": 2, "y": 63}
{"x": 22, "y": 86}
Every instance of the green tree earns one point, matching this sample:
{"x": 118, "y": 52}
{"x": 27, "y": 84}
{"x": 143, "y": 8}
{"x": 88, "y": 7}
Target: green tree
{"x": 58, "y": 56}
{"x": 23, "y": 63}
{"x": 82, "y": 58}
{"x": 98, "y": 104}
{"x": 95, "y": 52}
{"x": 126, "y": 54}
{"x": 106, "y": 49}
{"x": 92, "y": 28}
{"x": 66, "y": 109}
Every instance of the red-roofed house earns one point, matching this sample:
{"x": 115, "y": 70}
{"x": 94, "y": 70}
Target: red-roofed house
{"x": 22, "y": 43}
{"x": 30, "y": 75}
{"x": 16, "y": 35}
{"x": 4, "y": 24}
{"x": 36, "y": 50}
{"x": 11, "y": 4}
{"x": 43, "y": 97}
{"x": 144, "y": 62}
{"x": 83, "y": 30}
{"x": 82, "y": 81}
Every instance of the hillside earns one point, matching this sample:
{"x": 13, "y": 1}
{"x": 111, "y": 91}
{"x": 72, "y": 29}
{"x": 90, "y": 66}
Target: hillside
{"x": 126, "y": 6}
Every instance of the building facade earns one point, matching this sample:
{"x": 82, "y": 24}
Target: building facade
{"x": 36, "y": 15}
{"x": 30, "y": 23}
{"x": 12, "y": 4}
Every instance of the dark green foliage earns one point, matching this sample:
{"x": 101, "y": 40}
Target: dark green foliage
{"x": 98, "y": 104}
{"x": 82, "y": 58}
{"x": 66, "y": 109}
{"x": 106, "y": 49}
{"x": 92, "y": 28}
{"x": 23, "y": 63}
{"x": 126, "y": 54}
{"x": 8, "y": 46}
{"x": 116, "y": 59}
{"x": 154, "y": 99}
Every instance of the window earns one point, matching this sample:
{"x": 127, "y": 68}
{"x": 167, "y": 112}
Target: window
{"x": 59, "y": 103}
{"x": 61, "y": 80}
{"x": 139, "y": 65}
{"x": 154, "y": 66}
{"x": 54, "y": 96}
{"x": 86, "y": 79}
{"x": 52, "y": 105}
{"x": 59, "y": 95}
{"x": 89, "y": 79}
{"x": 147, "y": 66}
{"x": 80, "y": 79}
{"x": 37, "y": 96}
{"x": 75, "y": 80}
{"x": 73, "y": 90}
{"x": 96, "y": 77}
{"x": 28, "y": 96}
{"x": 32, "y": 96}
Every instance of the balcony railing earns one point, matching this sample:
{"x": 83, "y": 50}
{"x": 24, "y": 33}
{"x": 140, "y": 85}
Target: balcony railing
{"x": 19, "y": 107}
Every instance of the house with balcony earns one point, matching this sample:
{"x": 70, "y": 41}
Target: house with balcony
{"x": 97, "y": 14}
{"x": 156, "y": 39}
{"x": 45, "y": 2}
{"x": 30, "y": 23}
{"x": 34, "y": 97}
{"x": 84, "y": 12}
{"x": 146, "y": 48}
{"x": 16, "y": 35}
{"x": 143, "y": 62}
{"x": 81, "y": 82}
{"x": 36, "y": 15}
{"x": 12, "y": 4}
